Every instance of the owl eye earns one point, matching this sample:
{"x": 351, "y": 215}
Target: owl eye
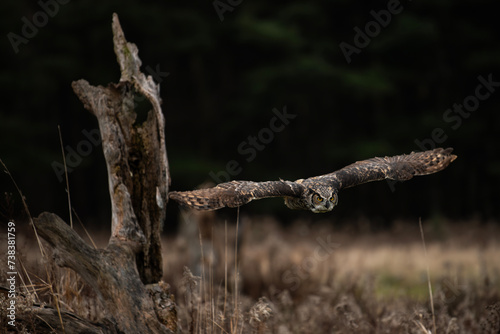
{"x": 318, "y": 198}
{"x": 332, "y": 199}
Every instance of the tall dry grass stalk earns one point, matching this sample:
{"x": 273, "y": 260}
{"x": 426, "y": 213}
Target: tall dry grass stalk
{"x": 235, "y": 319}
{"x": 428, "y": 277}
{"x": 66, "y": 177}
{"x": 40, "y": 246}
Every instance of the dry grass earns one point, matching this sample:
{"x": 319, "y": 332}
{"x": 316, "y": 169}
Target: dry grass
{"x": 368, "y": 283}
{"x": 309, "y": 278}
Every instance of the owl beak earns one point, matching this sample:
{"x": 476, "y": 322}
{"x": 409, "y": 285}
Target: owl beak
{"x": 328, "y": 205}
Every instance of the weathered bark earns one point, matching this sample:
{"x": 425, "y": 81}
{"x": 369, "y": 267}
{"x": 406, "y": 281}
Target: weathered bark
{"x": 135, "y": 154}
{"x": 111, "y": 272}
{"x": 138, "y": 177}
{"x": 40, "y": 319}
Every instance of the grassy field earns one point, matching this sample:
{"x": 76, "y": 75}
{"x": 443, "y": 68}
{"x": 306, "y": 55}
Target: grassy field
{"x": 311, "y": 278}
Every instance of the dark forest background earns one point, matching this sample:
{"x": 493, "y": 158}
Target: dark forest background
{"x": 224, "y": 71}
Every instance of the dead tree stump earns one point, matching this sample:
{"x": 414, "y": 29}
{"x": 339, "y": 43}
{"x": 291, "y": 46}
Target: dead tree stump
{"x": 138, "y": 175}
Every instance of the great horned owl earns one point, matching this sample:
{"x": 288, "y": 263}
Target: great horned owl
{"x": 320, "y": 193}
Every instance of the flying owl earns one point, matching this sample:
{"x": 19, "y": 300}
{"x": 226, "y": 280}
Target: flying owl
{"x": 320, "y": 193}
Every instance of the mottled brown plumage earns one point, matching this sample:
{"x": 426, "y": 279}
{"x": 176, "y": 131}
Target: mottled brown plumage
{"x": 319, "y": 193}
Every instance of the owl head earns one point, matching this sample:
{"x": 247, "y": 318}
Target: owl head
{"x": 322, "y": 199}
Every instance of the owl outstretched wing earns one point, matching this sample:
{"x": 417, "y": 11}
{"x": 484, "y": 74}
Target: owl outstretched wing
{"x": 236, "y": 193}
{"x": 399, "y": 168}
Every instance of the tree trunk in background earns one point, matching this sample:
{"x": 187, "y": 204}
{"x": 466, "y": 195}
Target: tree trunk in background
{"x": 138, "y": 175}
